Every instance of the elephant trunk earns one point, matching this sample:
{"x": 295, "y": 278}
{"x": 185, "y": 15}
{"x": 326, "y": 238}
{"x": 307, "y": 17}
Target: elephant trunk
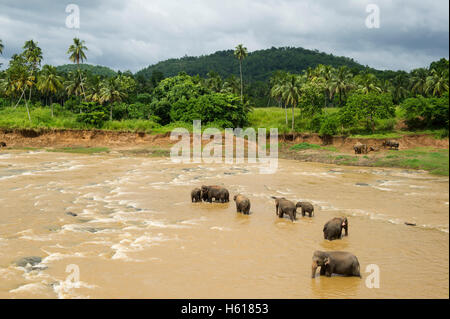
{"x": 313, "y": 269}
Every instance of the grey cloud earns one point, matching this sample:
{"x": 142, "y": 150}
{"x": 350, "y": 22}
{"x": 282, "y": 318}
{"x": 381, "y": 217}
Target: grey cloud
{"x": 133, "y": 34}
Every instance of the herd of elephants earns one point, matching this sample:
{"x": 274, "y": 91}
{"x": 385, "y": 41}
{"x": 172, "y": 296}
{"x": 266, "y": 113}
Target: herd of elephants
{"x": 331, "y": 262}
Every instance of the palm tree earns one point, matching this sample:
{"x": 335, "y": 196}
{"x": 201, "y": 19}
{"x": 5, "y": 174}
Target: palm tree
{"x": 368, "y": 82}
{"x": 241, "y": 54}
{"x": 1, "y": 46}
{"x": 111, "y": 92}
{"x": 231, "y": 85}
{"x": 75, "y": 83}
{"x": 277, "y": 82}
{"x": 291, "y": 92}
{"x": 419, "y": 81}
{"x": 437, "y": 82}
{"x": 400, "y": 83}
{"x": 76, "y": 51}
{"x": 49, "y": 82}
{"x": 341, "y": 82}
{"x": 33, "y": 56}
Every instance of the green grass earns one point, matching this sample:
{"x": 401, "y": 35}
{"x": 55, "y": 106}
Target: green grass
{"x": 436, "y": 161}
{"x": 308, "y": 146}
{"x": 80, "y": 150}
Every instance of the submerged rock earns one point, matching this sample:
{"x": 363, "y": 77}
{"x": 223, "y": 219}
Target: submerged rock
{"x": 410, "y": 224}
{"x": 32, "y": 260}
{"x": 71, "y": 214}
{"x": 362, "y": 184}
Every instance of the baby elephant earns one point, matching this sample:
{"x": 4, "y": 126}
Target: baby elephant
{"x": 360, "y": 148}
{"x": 333, "y": 228}
{"x": 242, "y": 204}
{"x": 196, "y": 195}
{"x": 335, "y": 262}
{"x": 306, "y": 208}
{"x": 284, "y": 206}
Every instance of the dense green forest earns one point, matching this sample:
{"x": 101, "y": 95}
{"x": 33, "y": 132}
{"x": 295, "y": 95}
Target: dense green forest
{"x": 88, "y": 68}
{"x": 341, "y": 97}
{"x": 259, "y": 65}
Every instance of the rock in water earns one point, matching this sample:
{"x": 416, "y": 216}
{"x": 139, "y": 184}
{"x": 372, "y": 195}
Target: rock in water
{"x": 32, "y": 260}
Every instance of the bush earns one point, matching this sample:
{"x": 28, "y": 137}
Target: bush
{"x": 96, "y": 118}
{"x": 421, "y": 112}
{"x": 329, "y": 126}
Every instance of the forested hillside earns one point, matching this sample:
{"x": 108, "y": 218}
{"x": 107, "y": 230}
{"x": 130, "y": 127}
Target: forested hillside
{"x": 258, "y": 66}
{"x": 93, "y": 69}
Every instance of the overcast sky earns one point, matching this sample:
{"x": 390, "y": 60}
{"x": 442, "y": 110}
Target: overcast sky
{"x": 132, "y": 34}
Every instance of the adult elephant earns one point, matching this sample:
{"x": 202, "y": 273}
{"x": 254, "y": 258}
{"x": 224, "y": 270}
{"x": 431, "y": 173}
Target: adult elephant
{"x": 306, "y": 208}
{"x": 335, "y": 262}
{"x": 360, "y": 148}
{"x": 333, "y": 228}
{"x": 219, "y": 194}
{"x": 284, "y": 206}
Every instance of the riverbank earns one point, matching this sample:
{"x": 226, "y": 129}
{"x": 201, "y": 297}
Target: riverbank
{"x": 421, "y": 151}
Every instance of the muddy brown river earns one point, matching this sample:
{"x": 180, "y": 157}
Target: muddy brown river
{"x": 132, "y": 232}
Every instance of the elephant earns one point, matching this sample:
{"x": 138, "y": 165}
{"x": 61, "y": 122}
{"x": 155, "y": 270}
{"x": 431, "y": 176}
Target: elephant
{"x": 391, "y": 144}
{"x": 306, "y": 208}
{"x": 333, "y": 228}
{"x": 242, "y": 204}
{"x": 335, "y": 262}
{"x": 2, "y": 144}
{"x": 196, "y": 195}
{"x": 284, "y": 206}
{"x": 360, "y": 148}
{"x": 219, "y": 194}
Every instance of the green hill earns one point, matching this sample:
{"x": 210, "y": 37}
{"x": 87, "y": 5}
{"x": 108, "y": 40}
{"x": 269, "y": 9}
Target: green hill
{"x": 94, "y": 69}
{"x": 258, "y": 66}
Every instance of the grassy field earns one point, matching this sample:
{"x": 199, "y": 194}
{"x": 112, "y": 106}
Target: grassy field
{"x": 433, "y": 160}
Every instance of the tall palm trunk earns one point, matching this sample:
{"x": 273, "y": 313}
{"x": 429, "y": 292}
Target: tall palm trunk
{"x": 242, "y": 84}
{"x": 28, "y": 110}
{"x": 293, "y": 107}
{"x": 285, "y": 113}
{"x": 23, "y": 92}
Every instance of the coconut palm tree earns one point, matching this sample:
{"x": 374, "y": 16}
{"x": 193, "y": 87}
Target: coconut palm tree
{"x": 241, "y": 53}
{"x": 277, "y": 82}
{"x": 1, "y": 46}
{"x": 368, "y": 82}
{"x": 341, "y": 82}
{"x": 400, "y": 84}
{"x": 437, "y": 82}
{"x": 33, "y": 56}
{"x": 76, "y": 51}
{"x": 111, "y": 92}
{"x": 74, "y": 83}
{"x": 291, "y": 92}
{"x": 419, "y": 81}
{"x": 49, "y": 82}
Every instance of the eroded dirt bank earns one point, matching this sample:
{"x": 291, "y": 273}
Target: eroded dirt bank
{"x": 94, "y": 138}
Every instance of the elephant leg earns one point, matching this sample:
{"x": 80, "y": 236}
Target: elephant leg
{"x": 322, "y": 270}
{"x": 303, "y": 213}
{"x": 281, "y": 213}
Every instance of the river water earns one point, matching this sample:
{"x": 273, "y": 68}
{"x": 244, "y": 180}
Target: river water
{"x": 137, "y": 235}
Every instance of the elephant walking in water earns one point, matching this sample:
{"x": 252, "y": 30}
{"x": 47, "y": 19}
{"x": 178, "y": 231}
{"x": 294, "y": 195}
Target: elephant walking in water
{"x": 333, "y": 228}
{"x": 196, "y": 195}
{"x": 219, "y": 193}
{"x": 335, "y": 262}
{"x": 284, "y": 206}
{"x": 306, "y": 208}
{"x": 242, "y": 204}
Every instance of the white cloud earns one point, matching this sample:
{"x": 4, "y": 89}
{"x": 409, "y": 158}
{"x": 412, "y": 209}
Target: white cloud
{"x": 135, "y": 33}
